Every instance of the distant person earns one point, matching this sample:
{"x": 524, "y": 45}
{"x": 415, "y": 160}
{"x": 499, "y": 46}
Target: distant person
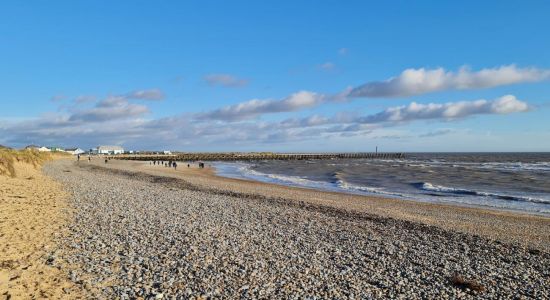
{"x": 78, "y": 157}
{"x": 175, "y": 165}
{"x": 188, "y": 165}
{"x": 89, "y": 158}
{"x": 106, "y": 160}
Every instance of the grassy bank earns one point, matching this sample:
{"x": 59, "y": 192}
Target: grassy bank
{"x": 9, "y": 157}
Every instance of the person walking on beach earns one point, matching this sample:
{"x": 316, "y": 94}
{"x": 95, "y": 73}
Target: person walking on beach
{"x": 78, "y": 157}
{"x": 89, "y": 158}
{"x": 175, "y": 165}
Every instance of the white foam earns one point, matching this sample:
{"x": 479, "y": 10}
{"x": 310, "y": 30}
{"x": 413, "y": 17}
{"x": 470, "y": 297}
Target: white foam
{"x": 439, "y": 188}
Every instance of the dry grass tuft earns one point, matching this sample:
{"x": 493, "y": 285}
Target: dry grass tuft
{"x": 9, "y": 157}
{"x": 463, "y": 283}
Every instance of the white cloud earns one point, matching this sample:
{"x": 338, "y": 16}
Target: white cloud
{"x": 393, "y": 116}
{"x": 421, "y": 81}
{"x": 225, "y": 80}
{"x": 111, "y": 108}
{"x": 256, "y": 107}
{"x": 447, "y": 111}
{"x": 116, "y": 120}
{"x": 152, "y": 94}
{"x": 410, "y": 82}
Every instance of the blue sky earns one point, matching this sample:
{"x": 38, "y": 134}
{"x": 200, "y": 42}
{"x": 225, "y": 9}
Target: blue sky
{"x": 181, "y": 76}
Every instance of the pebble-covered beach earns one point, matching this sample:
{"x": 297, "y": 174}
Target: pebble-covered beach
{"x": 137, "y": 236}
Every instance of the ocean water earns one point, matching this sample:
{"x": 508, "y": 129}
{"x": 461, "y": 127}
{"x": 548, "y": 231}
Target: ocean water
{"x": 506, "y": 181}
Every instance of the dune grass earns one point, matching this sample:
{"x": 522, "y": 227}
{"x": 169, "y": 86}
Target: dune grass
{"x": 8, "y": 158}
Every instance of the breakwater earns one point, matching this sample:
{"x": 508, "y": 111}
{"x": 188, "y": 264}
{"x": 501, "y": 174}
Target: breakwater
{"x": 257, "y": 156}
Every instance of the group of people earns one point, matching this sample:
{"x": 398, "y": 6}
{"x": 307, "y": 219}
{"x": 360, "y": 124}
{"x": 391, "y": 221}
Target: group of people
{"x": 171, "y": 164}
{"x": 168, "y": 164}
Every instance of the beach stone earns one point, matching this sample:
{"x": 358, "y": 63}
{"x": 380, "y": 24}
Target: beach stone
{"x": 155, "y": 237}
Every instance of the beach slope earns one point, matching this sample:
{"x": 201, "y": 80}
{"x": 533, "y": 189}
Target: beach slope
{"x": 143, "y": 233}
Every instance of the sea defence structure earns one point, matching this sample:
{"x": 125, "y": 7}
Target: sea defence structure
{"x": 239, "y": 156}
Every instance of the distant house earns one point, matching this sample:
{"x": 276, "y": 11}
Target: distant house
{"x": 56, "y": 149}
{"x": 167, "y": 152}
{"x": 110, "y": 150}
{"x": 38, "y": 148}
{"x": 74, "y": 151}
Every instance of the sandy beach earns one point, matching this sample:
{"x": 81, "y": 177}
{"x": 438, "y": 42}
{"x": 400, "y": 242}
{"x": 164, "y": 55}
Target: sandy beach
{"x": 33, "y": 212}
{"x": 142, "y": 232}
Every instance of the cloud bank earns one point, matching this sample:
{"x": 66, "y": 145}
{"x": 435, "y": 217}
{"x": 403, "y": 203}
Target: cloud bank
{"x": 413, "y": 82}
{"x": 448, "y": 111}
{"x": 410, "y": 82}
{"x": 256, "y": 107}
{"x": 115, "y": 120}
{"x": 119, "y": 120}
{"x": 111, "y": 108}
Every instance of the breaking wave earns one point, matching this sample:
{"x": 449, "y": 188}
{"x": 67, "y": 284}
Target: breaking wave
{"x": 426, "y": 186}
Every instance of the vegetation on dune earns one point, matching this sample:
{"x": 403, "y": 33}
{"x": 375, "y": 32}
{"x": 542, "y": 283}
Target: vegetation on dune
{"x": 9, "y": 157}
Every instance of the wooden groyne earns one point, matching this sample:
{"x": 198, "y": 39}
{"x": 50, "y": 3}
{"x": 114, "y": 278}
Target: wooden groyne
{"x": 257, "y": 156}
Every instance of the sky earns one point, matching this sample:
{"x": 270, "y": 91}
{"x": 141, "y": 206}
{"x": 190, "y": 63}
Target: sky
{"x": 282, "y": 76}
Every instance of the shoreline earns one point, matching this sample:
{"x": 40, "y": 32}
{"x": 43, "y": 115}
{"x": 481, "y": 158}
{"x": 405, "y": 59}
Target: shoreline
{"x": 382, "y": 195}
{"x": 529, "y": 230}
{"x": 146, "y": 232}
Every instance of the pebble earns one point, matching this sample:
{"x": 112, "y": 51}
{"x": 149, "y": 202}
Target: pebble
{"x": 155, "y": 239}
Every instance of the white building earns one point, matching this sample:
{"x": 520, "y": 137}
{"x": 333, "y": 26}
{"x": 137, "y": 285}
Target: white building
{"x": 38, "y": 148}
{"x": 110, "y": 150}
{"x": 32, "y": 147}
{"x": 55, "y": 149}
{"x": 74, "y": 151}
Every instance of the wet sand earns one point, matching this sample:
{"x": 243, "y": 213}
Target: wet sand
{"x": 509, "y": 227}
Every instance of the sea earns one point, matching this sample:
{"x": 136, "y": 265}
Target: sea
{"x": 502, "y": 181}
